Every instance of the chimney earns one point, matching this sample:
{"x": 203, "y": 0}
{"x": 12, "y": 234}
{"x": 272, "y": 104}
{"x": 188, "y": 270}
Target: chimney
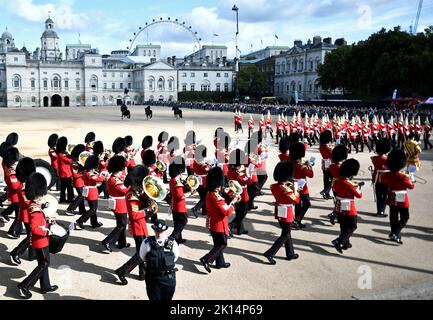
{"x": 317, "y": 40}
{"x": 152, "y": 60}
{"x": 169, "y": 60}
{"x": 340, "y": 42}
{"x": 173, "y": 60}
{"x": 218, "y": 61}
{"x": 297, "y": 43}
{"x": 327, "y": 40}
{"x": 225, "y": 61}
{"x": 207, "y": 59}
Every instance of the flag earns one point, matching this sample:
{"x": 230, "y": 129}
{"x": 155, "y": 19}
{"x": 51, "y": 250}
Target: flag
{"x": 239, "y": 50}
{"x": 276, "y": 37}
{"x": 261, "y": 41}
{"x": 251, "y": 45}
{"x": 215, "y": 35}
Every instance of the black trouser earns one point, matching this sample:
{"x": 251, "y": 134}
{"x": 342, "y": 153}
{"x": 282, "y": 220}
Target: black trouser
{"x": 302, "y": 207}
{"x": 262, "y": 180}
{"x": 23, "y": 245}
{"x": 427, "y": 143}
{"x": 216, "y": 253}
{"x": 202, "y": 203}
{"x": 367, "y": 143}
{"x": 353, "y": 143}
{"x": 91, "y": 213}
{"x": 190, "y": 171}
{"x": 398, "y": 222}
{"x": 253, "y": 190}
{"x": 119, "y": 232}
{"x": 249, "y": 132}
{"x": 41, "y": 271}
{"x": 160, "y": 287}
{"x": 241, "y": 212}
{"x": 348, "y": 225}
{"x": 66, "y": 185}
{"x": 14, "y": 206}
{"x": 284, "y": 240}
{"x": 134, "y": 261}
{"x": 78, "y": 202}
{"x": 16, "y": 227}
{"x": 180, "y": 220}
{"x": 381, "y": 197}
{"x": 279, "y": 135}
{"x": 103, "y": 188}
{"x": 327, "y": 181}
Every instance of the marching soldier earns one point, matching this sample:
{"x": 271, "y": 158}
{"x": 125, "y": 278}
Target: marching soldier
{"x": 36, "y": 187}
{"x": 346, "y": 192}
{"x": 398, "y": 183}
{"x": 252, "y": 165}
{"x": 89, "y": 140}
{"x": 189, "y": 150}
{"x": 130, "y": 152}
{"x": 339, "y": 154}
{"x": 380, "y": 166}
{"x": 250, "y": 126}
{"x": 138, "y": 204}
{"x": 427, "y": 133}
{"x": 284, "y": 148}
{"x": 52, "y": 142}
{"x": 286, "y": 196}
{"x": 263, "y": 153}
{"x": 218, "y": 213}
{"x": 160, "y": 254}
{"x": 103, "y": 156}
{"x": 326, "y": 152}
{"x": 65, "y": 173}
{"x": 412, "y": 150}
{"x": 117, "y": 203}
{"x": 77, "y": 181}
{"x": 146, "y": 144}
{"x": 201, "y": 169}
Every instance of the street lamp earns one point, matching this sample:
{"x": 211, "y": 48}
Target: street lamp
{"x": 236, "y": 9}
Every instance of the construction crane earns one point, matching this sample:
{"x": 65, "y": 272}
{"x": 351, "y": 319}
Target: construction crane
{"x": 418, "y": 14}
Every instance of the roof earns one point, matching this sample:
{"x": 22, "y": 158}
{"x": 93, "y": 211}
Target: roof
{"x": 50, "y": 34}
{"x": 49, "y": 20}
{"x": 137, "y": 59}
{"x": 79, "y": 45}
{"x": 7, "y": 35}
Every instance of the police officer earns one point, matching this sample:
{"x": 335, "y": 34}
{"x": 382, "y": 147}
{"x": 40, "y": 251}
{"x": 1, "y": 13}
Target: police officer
{"x": 160, "y": 254}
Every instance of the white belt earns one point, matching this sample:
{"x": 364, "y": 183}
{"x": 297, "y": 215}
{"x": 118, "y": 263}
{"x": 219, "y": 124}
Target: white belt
{"x": 282, "y": 210}
{"x": 286, "y": 205}
{"x": 400, "y": 195}
{"x": 345, "y": 204}
{"x": 91, "y": 187}
{"x": 244, "y": 187}
{"x": 117, "y": 198}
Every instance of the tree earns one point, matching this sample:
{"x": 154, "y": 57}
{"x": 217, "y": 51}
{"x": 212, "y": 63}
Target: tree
{"x": 335, "y": 72}
{"x": 251, "y": 81}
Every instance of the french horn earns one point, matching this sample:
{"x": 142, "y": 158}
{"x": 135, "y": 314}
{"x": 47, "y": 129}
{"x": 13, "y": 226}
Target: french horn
{"x": 193, "y": 182}
{"x": 234, "y": 189}
{"x": 82, "y": 158}
{"x": 161, "y": 166}
{"x": 154, "y": 188}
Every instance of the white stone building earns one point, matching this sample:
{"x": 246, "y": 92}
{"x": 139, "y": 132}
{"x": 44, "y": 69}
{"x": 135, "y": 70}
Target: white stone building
{"x": 86, "y": 78}
{"x": 296, "y": 69}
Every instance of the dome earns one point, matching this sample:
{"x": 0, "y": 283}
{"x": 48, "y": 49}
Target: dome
{"x": 7, "y": 35}
{"x": 49, "y": 20}
{"x": 50, "y": 34}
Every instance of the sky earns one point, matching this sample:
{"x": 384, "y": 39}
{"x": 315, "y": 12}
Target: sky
{"x": 109, "y": 25}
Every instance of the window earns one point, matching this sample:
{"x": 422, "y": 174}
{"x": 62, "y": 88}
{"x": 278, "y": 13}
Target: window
{"x": 151, "y": 84}
{"x": 93, "y": 60}
{"x": 94, "y": 82}
{"x": 77, "y": 73}
{"x": 161, "y": 84}
{"x": 293, "y": 86}
{"x": 1, "y": 85}
{"x": 301, "y": 66}
{"x": 32, "y": 84}
{"x": 16, "y": 82}
{"x": 66, "y": 73}
{"x": 113, "y": 86}
{"x": 129, "y": 85}
{"x": 226, "y": 75}
{"x": 66, "y": 84}
{"x": 192, "y": 87}
{"x": 218, "y": 87}
{"x": 15, "y": 59}
{"x": 113, "y": 74}
{"x": 192, "y": 75}
{"x": 170, "y": 84}
{"x": 154, "y": 53}
{"x": 226, "y": 87}
{"x": 33, "y": 99}
{"x": 104, "y": 74}
{"x": 105, "y": 85}
{"x": 45, "y": 84}
{"x": 183, "y": 74}
{"x": 300, "y": 87}
{"x": 32, "y": 73}
{"x": 218, "y": 75}
{"x": 184, "y": 87}
{"x": 121, "y": 74}
{"x": 56, "y": 83}
{"x": 205, "y": 87}
{"x": 77, "y": 84}
{"x": 311, "y": 65}
{"x": 206, "y": 75}
{"x": 121, "y": 85}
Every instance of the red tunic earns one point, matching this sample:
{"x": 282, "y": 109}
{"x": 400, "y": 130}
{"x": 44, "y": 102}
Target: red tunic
{"x": 91, "y": 180}
{"x": 243, "y": 180}
{"x": 326, "y": 152}
{"x": 284, "y": 197}
{"x": 302, "y": 172}
{"x": 136, "y": 214}
{"x": 284, "y": 156}
{"x": 77, "y": 175}
{"x": 263, "y": 155}
{"x": 14, "y": 186}
{"x": 201, "y": 171}
{"x": 24, "y": 206}
{"x": 346, "y": 191}
{"x": 218, "y": 212}
{"x": 334, "y": 168}
{"x": 178, "y": 200}
{"x": 117, "y": 191}
{"x": 397, "y": 182}
{"x": 53, "y": 157}
{"x": 64, "y": 162}
{"x": 379, "y": 164}
{"x": 39, "y": 227}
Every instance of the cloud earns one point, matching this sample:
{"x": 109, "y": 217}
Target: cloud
{"x": 62, "y": 13}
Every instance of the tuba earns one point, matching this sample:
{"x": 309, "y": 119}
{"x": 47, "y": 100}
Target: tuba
{"x": 82, "y": 158}
{"x": 154, "y": 188}
{"x": 234, "y": 190}
{"x": 193, "y": 182}
{"x": 161, "y": 166}
{"x": 70, "y": 148}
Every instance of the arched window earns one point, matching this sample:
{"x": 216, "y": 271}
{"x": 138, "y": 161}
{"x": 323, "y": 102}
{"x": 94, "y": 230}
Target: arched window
{"x": 55, "y": 83}
{"x": 310, "y": 86}
{"x": 299, "y": 87}
{"x": 295, "y": 66}
{"x": 301, "y": 66}
{"x": 94, "y": 82}
{"x": 311, "y": 65}
{"x": 205, "y": 86}
{"x": 288, "y": 67}
{"x": 16, "y": 82}
{"x": 293, "y": 85}
{"x": 316, "y": 86}
{"x": 171, "y": 84}
{"x": 161, "y": 84}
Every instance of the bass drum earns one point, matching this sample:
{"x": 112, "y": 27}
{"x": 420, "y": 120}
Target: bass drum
{"x": 45, "y": 168}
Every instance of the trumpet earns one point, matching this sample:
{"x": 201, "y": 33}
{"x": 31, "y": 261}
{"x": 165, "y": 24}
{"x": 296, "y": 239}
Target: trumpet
{"x": 161, "y": 166}
{"x": 154, "y": 188}
{"x": 82, "y": 158}
{"x": 70, "y": 148}
{"x": 244, "y": 171}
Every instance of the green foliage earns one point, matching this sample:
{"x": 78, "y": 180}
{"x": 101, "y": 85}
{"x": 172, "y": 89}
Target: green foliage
{"x": 218, "y": 97}
{"x": 251, "y": 82}
{"x": 387, "y": 60}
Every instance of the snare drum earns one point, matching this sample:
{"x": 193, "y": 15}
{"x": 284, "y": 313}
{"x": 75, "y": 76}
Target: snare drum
{"x": 58, "y": 238}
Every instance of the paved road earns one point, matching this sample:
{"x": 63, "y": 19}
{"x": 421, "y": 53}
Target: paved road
{"x": 373, "y": 266}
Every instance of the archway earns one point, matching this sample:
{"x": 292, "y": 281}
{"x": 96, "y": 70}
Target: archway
{"x": 56, "y": 101}
{"x": 66, "y": 101}
{"x": 46, "y": 101}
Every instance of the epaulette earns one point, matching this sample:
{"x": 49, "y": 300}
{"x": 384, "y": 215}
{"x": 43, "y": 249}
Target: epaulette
{"x": 34, "y": 208}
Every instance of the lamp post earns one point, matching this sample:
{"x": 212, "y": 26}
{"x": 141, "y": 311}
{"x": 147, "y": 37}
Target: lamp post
{"x": 236, "y": 9}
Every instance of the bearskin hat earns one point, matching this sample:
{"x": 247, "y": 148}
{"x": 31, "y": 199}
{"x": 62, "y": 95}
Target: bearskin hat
{"x": 173, "y": 144}
{"x": 200, "y": 153}
{"x": 129, "y": 140}
{"x": 190, "y": 138}
{"x": 52, "y": 140}
{"x": 214, "y": 179}
{"x": 10, "y": 156}
{"x": 285, "y": 143}
{"x": 163, "y": 136}
{"x": 136, "y": 176}
{"x": 119, "y": 145}
{"x": 3, "y": 147}
{"x": 383, "y": 146}
{"x": 116, "y": 164}
{"x": 339, "y": 153}
{"x": 62, "y": 143}
{"x": 149, "y": 158}
{"x": 295, "y": 137}
{"x": 325, "y": 137}
{"x": 92, "y": 163}
{"x": 283, "y": 171}
{"x": 237, "y": 158}
{"x": 349, "y": 168}
{"x": 77, "y": 151}
{"x": 176, "y": 167}
{"x": 36, "y": 186}
{"x": 90, "y": 137}
{"x": 297, "y": 151}
{"x": 25, "y": 168}
{"x": 12, "y": 139}
{"x": 147, "y": 142}
{"x": 397, "y": 160}
{"x": 98, "y": 148}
